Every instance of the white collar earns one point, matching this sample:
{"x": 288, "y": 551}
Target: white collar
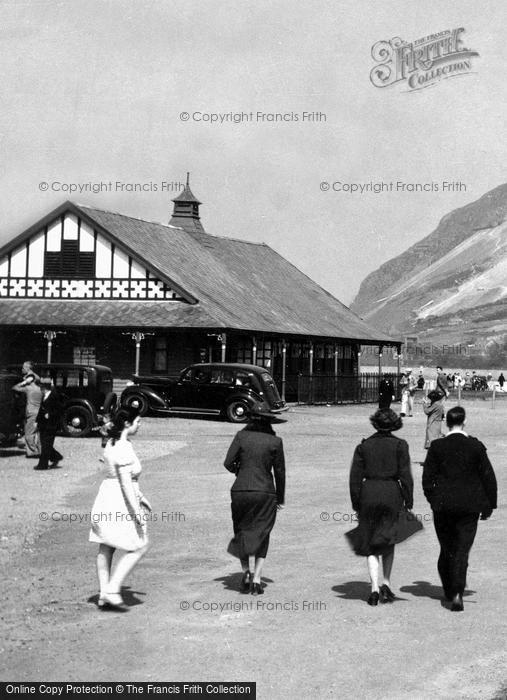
{"x": 457, "y": 432}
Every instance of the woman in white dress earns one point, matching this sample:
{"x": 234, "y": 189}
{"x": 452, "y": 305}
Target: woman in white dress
{"x": 119, "y": 513}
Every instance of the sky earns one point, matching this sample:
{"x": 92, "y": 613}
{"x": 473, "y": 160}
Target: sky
{"x": 117, "y": 93}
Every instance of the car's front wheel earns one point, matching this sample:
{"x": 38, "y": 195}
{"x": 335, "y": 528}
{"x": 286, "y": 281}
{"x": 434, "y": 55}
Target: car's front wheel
{"x": 237, "y": 411}
{"x": 137, "y": 401}
{"x": 77, "y": 421}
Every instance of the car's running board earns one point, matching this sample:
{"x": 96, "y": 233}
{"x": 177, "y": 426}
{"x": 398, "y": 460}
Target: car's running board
{"x": 203, "y": 411}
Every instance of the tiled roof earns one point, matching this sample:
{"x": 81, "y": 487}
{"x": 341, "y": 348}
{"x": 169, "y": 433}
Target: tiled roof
{"x": 237, "y": 284}
{"x": 113, "y": 313}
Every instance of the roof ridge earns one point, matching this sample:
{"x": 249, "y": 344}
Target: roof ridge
{"x": 127, "y": 216}
{"x": 179, "y": 228}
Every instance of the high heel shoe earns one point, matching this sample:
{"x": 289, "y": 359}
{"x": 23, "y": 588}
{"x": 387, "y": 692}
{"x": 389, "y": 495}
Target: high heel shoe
{"x": 244, "y": 586}
{"x": 112, "y": 601}
{"x": 457, "y": 603}
{"x": 373, "y": 598}
{"x": 256, "y": 588}
{"x": 386, "y": 594}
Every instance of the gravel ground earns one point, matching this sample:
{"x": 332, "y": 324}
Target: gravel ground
{"x": 310, "y": 635}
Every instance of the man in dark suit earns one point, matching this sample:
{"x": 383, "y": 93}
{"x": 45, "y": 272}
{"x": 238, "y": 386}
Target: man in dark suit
{"x": 385, "y": 392}
{"x": 48, "y": 422}
{"x": 442, "y": 382}
{"x": 460, "y": 485}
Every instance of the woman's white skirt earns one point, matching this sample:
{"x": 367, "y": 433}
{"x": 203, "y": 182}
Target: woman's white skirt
{"x": 111, "y": 521}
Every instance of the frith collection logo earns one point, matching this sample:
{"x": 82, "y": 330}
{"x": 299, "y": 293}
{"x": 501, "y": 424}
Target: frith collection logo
{"x": 423, "y": 62}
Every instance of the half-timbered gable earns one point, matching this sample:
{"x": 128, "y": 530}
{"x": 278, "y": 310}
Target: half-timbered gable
{"x": 69, "y": 258}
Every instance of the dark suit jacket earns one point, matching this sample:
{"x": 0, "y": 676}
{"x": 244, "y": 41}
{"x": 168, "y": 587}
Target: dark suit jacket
{"x": 50, "y": 412}
{"x": 458, "y": 475}
{"x": 253, "y": 456}
{"x": 442, "y": 383}
{"x": 386, "y": 388}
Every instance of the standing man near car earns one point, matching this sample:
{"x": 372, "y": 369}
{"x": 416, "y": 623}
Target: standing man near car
{"x": 29, "y": 386}
{"x": 48, "y": 422}
{"x": 460, "y": 485}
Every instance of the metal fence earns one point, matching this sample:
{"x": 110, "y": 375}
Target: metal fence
{"x": 350, "y": 388}
{"x": 364, "y": 388}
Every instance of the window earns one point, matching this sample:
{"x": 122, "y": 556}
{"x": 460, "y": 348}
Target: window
{"x": 84, "y": 355}
{"x": 160, "y": 358}
{"x": 69, "y": 263}
{"x": 201, "y": 375}
{"x": 221, "y": 376}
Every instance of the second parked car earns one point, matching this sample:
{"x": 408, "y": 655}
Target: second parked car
{"x": 227, "y": 389}
{"x": 86, "y": 392}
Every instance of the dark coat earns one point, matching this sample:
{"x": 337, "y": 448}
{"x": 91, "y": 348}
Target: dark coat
{"x": 253, "y": 456}
{"x": 382, "y": 457}
{"x": 442, "y": 383}
{"x": 385, "y": 393}
{"x": 50, "y": 412}
{"x": 458, "y": 475}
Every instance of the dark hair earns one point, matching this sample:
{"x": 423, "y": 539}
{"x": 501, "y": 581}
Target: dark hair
{"x": 385, "y": 420}
{"x": 455, "y": 416}
{"x": 434, "y": 395}
{"x": 124, "y": 415}
{"x": 438, "y": 367}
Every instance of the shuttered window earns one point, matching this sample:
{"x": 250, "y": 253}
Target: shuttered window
{"x": 69, "y": 263}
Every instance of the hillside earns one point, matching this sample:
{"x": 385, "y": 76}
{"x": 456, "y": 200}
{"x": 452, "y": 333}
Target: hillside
{"x": 451, "y": 287}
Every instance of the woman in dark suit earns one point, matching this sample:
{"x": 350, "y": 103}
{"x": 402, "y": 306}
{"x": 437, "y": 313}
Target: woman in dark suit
{"x": 255, "y": 454}
{"x": 381, "y": 486}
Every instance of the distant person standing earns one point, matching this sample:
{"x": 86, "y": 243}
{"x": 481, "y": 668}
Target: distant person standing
{"x": 48, "y": 423}
{"x": 442, "y": 382}
{"x": 29, "y": 386}
{"x": 501, "y": 381}
{"x": 434, "y": 408}
{"x": 409, "y": 386}
{"x": 385, "y": 392}
{"x": 460, "y": 485}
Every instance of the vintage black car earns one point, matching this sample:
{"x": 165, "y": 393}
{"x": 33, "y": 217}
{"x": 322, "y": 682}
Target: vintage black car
{"x": 11, "y": 410}
{"x": 86, "y": 392}
{"x": 226, "y": 389}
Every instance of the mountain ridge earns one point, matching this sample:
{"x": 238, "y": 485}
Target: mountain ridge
{"x": 450, "y": 287}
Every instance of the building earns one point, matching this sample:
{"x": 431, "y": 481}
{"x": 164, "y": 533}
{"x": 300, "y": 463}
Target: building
{"x": 87, "y": 285}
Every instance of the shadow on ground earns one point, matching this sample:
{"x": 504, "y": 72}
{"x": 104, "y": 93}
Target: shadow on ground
{"x": 425, "y": 589}
{"x": 231, "y": 582}
{"x": 356, "y": 590}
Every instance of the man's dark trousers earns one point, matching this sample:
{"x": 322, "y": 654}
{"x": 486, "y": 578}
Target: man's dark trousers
{"x": 456, "y": 533}
{"x": 47, "y": 451}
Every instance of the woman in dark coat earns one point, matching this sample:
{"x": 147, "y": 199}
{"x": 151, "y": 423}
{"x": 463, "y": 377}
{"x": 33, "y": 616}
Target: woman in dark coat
{"x": 254, "y": 455}
{"x": 381, "y": 486}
